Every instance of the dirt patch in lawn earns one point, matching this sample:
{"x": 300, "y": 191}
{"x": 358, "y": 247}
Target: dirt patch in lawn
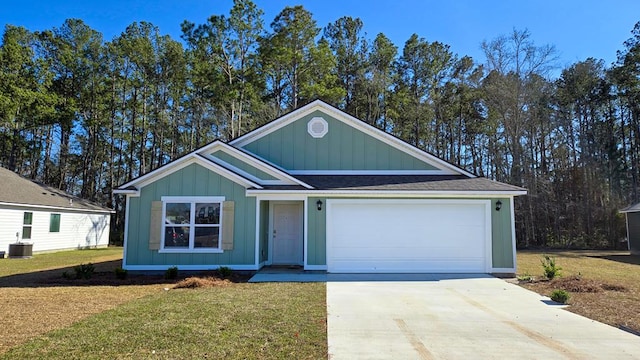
{"x": 200, "y": 282}
{"x": 604, "y": 286}
{"x": 578, "y": 284}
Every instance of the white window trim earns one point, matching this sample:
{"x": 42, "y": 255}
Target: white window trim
{"x": 191, "y": 200}
{"x": 30, "y": 226}
{"x": 59, "y": 222}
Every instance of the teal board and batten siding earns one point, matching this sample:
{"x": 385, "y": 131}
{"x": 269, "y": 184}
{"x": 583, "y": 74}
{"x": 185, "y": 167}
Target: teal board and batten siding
{"x": 193, "y": 180}
{"x": 342, "y": 148}
{"x": 316, "y": 232}
{"x": 240, "y": 164}
{"x": 501, "y": 234}
{"x": 633, "y": 227}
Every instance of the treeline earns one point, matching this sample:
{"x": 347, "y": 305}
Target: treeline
{"x": 85, "y": 115}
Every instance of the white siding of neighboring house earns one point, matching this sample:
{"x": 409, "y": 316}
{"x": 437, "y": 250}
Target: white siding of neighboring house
{"x": 77, "y": 230}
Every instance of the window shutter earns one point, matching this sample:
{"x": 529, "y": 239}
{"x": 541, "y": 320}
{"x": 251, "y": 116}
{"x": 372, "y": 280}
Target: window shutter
{"x": 228, "y": 209}
{"x": 155, "y": 225}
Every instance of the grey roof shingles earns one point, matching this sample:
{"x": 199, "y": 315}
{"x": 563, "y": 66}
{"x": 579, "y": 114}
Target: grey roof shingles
{"x": 631, "y": 208}
{"x": 14, "y": 189}
{"x": 404, "y": 183}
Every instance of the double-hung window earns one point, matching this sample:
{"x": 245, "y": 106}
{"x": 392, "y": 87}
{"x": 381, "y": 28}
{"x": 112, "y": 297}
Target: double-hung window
{"x": 26, "y": 225}
{"x": 191, "y": 224}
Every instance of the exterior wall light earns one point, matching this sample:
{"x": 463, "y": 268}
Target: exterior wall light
{"x": 498, "y": 205}
{"x": 319, "y": 205}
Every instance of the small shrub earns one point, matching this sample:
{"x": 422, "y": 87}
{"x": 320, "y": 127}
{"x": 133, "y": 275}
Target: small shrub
{"x": 224, "y": 271}
{"x": 551, "y": 270}
{"x": 171, "y": 273}
{"x": 84, "y": 271}
{"x": 121, "y": 273}
{"x": 67, "y": 275}
{"x": 560, "y": 296}
{"x": 525, "y": 278}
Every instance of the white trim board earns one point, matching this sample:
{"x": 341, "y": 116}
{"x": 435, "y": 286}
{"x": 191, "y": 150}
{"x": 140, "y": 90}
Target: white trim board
{"x": 355, "y": 123}
{"x": 513, "y": 234}
{"x": 256, "y": 254}
{"x": 368, "y": 172}
{"x": 125, "y": 239}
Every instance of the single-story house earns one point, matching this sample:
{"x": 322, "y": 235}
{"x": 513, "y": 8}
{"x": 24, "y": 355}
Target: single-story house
{"x": 48, "y": 218}
{"x": 632, "y": 214}
{"x": 320, "y": 189}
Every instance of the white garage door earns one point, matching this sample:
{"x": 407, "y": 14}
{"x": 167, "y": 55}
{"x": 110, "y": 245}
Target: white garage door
{"x": 445, "y": 236}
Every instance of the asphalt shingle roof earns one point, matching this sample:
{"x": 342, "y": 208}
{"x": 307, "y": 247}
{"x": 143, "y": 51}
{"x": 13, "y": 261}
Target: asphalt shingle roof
{"x": 405, "y": 183}
{"x": 632, "y": 208}
{"x": 18, "y": 190}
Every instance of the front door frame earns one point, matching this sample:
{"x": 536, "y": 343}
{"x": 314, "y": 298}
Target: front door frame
{"x": 303, "y": 244}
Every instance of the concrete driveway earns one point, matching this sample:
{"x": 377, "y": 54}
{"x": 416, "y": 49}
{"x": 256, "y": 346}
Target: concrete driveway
{"x": 460, "y": 317}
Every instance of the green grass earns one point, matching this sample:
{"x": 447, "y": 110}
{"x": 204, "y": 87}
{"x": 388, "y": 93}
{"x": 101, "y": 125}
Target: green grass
{"x": 80, "y": 320}
{"x": 56, "y": 260}
{"x": 241, "y": 321}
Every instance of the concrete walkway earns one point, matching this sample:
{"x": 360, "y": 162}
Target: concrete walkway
{"x": 283, "y": 274}
{"x": 461, "y": 317}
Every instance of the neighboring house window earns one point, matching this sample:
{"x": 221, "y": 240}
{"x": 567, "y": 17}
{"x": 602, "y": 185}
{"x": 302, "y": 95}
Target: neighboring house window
{"x": 54, "y": 223}
{"x": 26, "y": 225}
{"x": 192, "y": 224}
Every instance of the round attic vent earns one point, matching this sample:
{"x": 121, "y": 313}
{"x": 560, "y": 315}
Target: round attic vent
{"x": 317, "y": 127}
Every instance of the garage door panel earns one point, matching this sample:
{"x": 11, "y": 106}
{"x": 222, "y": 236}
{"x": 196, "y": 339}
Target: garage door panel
{"x": 422, "y": 251}
{"x": 436, "y": 265}
{"x": 407, "y": 236}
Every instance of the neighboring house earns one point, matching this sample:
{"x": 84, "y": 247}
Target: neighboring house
{"x": 48, "y": 218}
{"x": 320, "y": 189}
{"x": 633, "y": 228}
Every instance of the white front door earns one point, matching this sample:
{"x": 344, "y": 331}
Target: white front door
{"x": 286, "y": 234}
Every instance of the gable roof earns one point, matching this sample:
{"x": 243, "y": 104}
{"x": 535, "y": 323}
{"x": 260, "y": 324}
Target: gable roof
{"x": 395, "y": 142}
{"x": 203, "y": 157}
{"x": 16, "y": 190}
{"x": 133, "y": 186}
{"x": 451, "y": 180}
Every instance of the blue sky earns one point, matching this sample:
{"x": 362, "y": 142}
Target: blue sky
{"x": 578, "y": 29}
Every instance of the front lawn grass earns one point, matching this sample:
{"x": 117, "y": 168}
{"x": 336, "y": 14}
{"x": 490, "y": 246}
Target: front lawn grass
{"x": 36, "y": 299}
{"x": 57, "y": 260}
{"x": 242, "y": 321}
{"x": 604, "y": 285}
{"x": 46, "y": 316}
